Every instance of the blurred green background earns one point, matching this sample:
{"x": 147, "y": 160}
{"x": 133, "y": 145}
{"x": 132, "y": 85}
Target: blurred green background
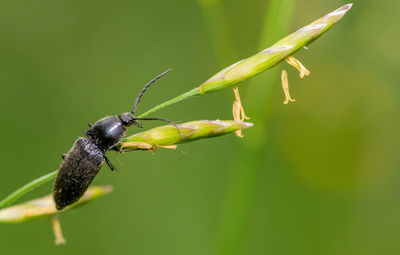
{"x": 318, "y": 176}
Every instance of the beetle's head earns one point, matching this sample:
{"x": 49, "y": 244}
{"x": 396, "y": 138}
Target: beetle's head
{"x": 128, "y": 119}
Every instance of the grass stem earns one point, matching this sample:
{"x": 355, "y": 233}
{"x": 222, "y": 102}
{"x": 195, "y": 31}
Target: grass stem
{"x": 26, "y": 188}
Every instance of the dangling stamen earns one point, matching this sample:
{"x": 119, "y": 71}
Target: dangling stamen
{"x": 59, "y": 238}
{"x": 136, "y": 146}
{"x": 285, "y": 86}
{"x": 298, "y": 65}
{"x": 144, "y": 146}
{"x": 171, "y": 147}
{"x": 238, "y": 111}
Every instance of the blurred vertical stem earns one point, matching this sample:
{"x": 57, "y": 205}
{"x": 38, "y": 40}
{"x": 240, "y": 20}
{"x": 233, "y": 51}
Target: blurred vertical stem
{"x": 249, "y": 156}
{"x": 216, "y": 21}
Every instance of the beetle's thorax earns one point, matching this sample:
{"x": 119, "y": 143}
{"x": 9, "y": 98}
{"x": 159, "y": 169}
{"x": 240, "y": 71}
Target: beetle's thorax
{"x": 106, "y": 133}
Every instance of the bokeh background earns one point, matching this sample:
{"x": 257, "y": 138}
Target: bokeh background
{"x": 318, "y": 176}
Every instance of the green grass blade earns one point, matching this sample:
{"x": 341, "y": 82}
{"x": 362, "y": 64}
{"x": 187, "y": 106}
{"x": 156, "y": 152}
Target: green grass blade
{"x": 26, "y": 188}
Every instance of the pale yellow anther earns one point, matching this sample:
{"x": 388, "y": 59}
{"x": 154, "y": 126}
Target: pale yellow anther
{"x": 285, "y": 86}
{"x": 137, "y": 145}
{"x": 238, "y": 111}
{"x": 171, "y": 147}
{"x": 59, "y": 238}
{"x": 298, "y": 65}
{"x": 145, "y": 146}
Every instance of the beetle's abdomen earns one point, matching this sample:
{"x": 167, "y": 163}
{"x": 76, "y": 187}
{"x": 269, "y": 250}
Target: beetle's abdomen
{"x": 80, "y": 166}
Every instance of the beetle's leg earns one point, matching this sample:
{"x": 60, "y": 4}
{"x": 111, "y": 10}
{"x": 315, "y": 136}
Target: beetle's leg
{"x": 109, "y": 163}
{"x": 115, "y": 148}
{"x": 63, "y": 156}
{"x": 90, "y": 125}
{"x": 87, "y": 132}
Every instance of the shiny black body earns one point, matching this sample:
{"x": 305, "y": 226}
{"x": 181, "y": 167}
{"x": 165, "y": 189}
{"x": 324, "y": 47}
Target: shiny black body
{"x": 82, "y": 163}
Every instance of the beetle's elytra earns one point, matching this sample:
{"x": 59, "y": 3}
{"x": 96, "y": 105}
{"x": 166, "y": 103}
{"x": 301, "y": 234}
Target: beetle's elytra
{"x": 82, "y": 163}
{"x": 77, "y": 171}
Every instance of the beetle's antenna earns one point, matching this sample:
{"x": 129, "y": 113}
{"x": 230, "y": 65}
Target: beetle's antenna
{"x": 145, "y": 87}
{"x": 170, "y": 122}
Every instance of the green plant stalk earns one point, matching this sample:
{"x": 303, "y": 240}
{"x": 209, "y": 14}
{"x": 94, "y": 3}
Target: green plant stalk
{"x": 26, "y": 188}
{"x": 250, "y": 155}
{"x": 159, "y": 136}
{"x": 263, "y": 60}
{"x": 189, "y": 94}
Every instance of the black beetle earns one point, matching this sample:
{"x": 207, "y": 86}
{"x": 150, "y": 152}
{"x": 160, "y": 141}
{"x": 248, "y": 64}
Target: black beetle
{"x": 82, "y": 163}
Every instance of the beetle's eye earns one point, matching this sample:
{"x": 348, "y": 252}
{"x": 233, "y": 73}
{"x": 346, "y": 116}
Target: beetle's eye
{"x": 126, "y": 122}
